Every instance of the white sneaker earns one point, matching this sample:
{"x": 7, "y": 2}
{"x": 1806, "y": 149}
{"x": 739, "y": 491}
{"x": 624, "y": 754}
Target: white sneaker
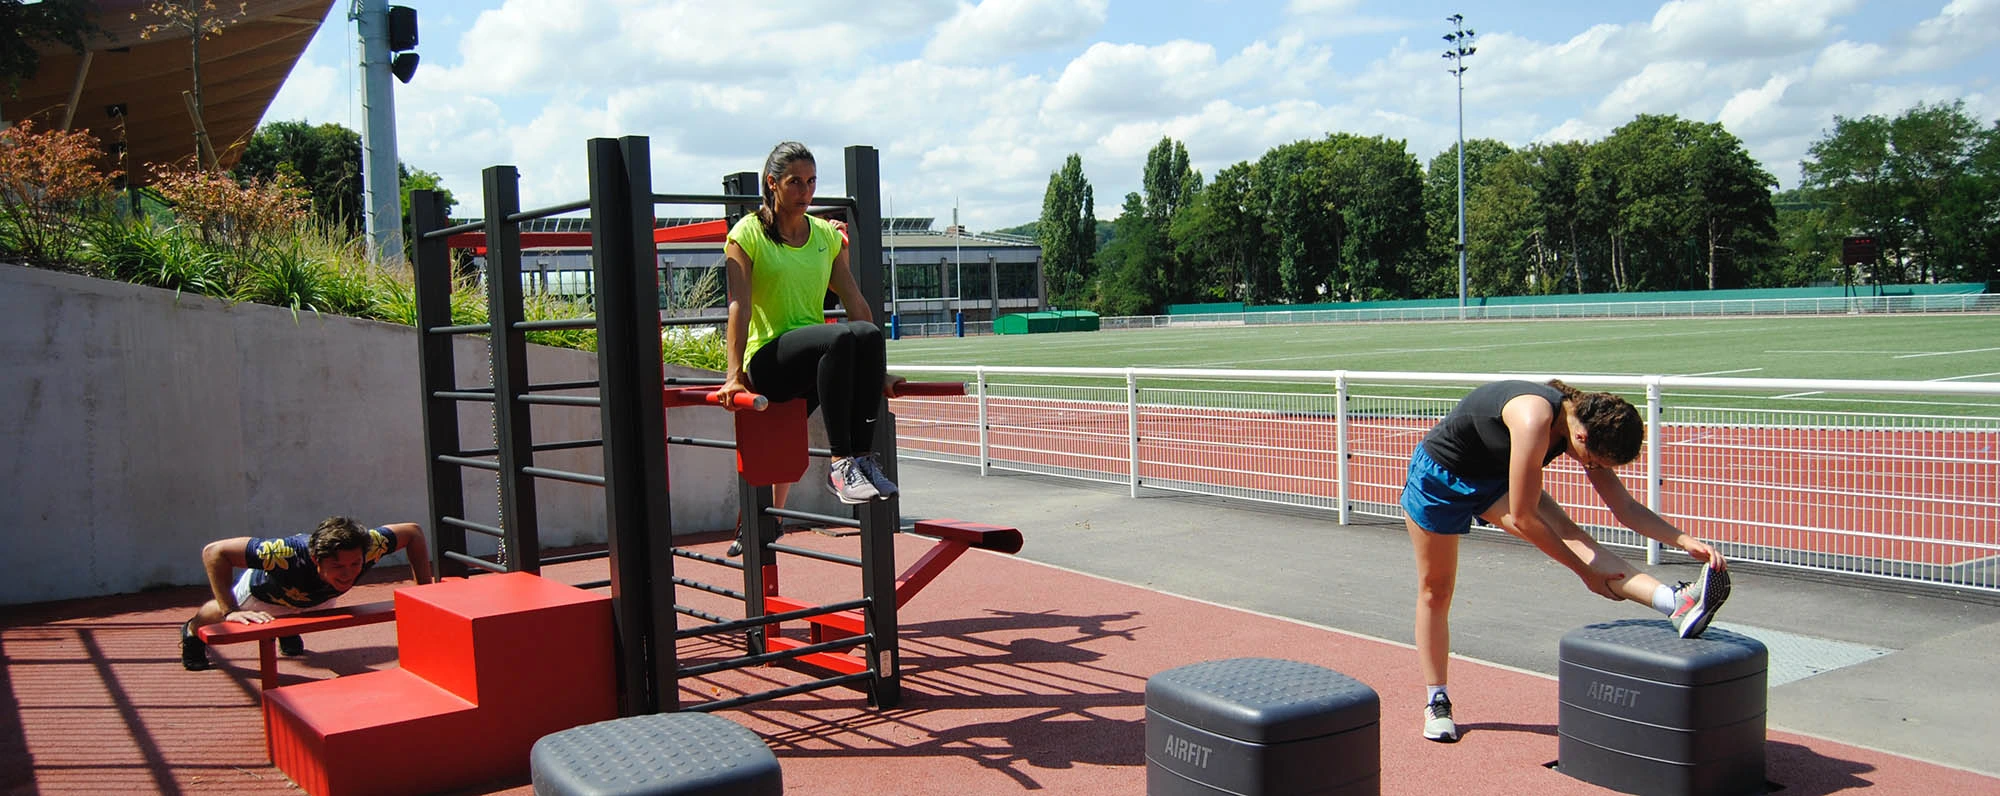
{"x": 847, "y": 481}
{"x": 1438, "y": 725}
{"x": 872, "y": 468}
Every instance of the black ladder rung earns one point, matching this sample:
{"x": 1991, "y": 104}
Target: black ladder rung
{"x": 768, "y": 657}
{"x": 725, "y": 704}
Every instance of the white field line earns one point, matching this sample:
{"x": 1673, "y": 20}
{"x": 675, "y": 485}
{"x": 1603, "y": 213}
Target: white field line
{"x": 1946, "y": 353}
{"x": 1723, "y": 372}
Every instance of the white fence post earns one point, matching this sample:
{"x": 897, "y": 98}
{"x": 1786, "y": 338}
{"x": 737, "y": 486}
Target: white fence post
{"x": 1340, "y": 441}
{"x": 1132, "y": 426}
{"x": 1653, "y": 474}
{"x": 985, "y": 460}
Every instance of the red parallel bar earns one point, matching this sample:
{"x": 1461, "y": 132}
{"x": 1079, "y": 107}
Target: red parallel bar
{"x": 266, "y": 633}
{"x": 699, "y": 396}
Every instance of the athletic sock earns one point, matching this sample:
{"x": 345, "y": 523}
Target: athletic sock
{"x": 1663, "y": 599}
{"x": 1432, "y": 692}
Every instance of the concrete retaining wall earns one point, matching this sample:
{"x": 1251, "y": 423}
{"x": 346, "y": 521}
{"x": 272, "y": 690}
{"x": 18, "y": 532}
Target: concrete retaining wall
{"x": 136, "y": 426}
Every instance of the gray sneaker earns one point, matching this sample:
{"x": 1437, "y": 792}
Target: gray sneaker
{"x": 849, "y": 482}
{"x": 872, "y": 467}
{"x": 1438, "y": 725}
{"x": 1695, "y": 605}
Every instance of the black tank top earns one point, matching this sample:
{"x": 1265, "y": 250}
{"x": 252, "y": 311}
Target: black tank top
{"x": 1473, "y": 442}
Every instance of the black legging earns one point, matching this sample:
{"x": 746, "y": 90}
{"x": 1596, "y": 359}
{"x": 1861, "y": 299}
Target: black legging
{"x": 836, "y": 366}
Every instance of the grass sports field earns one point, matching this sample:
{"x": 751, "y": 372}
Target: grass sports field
{"x": 1940, "y": 347}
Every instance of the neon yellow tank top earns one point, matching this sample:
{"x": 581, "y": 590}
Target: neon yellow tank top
{"x": 787, "y": 283}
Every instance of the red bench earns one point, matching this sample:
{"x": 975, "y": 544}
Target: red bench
{"x": 266, "y": 634}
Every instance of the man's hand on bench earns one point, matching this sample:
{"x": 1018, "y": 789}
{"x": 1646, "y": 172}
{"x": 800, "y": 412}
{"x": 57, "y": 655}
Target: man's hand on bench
{"x": 247, "y": 617}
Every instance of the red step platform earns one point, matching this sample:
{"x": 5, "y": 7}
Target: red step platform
{"x": 489, "y": 664}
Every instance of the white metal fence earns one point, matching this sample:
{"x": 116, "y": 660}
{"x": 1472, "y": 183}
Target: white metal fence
{"x": 1744, "y": 463}
{"x": 1850, "y": 305}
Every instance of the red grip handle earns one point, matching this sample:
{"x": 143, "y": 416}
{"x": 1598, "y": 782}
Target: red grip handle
{"x": 927, "y": 388}
{"x": 690, "y": 396}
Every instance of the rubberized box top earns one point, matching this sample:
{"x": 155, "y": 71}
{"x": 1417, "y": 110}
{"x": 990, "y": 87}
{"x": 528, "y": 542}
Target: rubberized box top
{"x": 1263, "y": 700}
{"x": 681, "y": 753}
{"x": 1651, "y": 649}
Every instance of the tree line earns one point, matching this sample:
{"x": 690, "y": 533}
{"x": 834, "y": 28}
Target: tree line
{"x": 1661, "y": 203}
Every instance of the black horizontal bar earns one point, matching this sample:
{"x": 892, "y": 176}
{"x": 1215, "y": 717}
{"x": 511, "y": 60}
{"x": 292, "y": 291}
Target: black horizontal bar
{"x": 472, "y": 328}
{"x": 564, "y": 475}
{"x": 686, "y": 553}
{"x": 539, "y": 447}
{"x": 477, "y": 562}
{"x": 564, "y": 559}
{"x": 462, "y": 461}
{"x": 823, "y": 519}
{"x": 768, "y": 657}
{"x": 725, "y": 704}
{"x": 560, "y": 400}
{"x": 708, "y": 587}
{"x": 770, "y": 619}
{"x": 700, "y": 614}
{"x": 697, "y": 442}
{"x": 552, "y": 210}
{"x": 462, "y": 395}
{"x": 800, "y": 551}
{"x": 585, "y": 384}
{"x": 588, "y": 584}
{"x": 699, "y": 320}
{"x": 470, "y": 226}
{"x": 705, "y": 199}
{"x": 557, "y": 323}
{"x": 475, "y": 527}
{"x": 692, "y": 381}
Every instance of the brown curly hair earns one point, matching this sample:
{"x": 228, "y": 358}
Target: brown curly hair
{"x": 1612, "y": 427}
{"x": 335, "y": 534}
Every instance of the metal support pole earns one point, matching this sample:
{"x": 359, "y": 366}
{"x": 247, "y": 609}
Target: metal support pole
{"x": 632, "y": 420}
{"x": 437, "y": 372}
{"x": 513, "y": 434}
{"x": 382, "y": 213}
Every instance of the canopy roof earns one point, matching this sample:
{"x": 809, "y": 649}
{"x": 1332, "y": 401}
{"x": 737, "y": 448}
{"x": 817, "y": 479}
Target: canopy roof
{"x": 241, "y": 70}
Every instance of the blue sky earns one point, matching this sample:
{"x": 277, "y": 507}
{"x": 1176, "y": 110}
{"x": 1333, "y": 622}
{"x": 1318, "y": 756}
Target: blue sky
{"x": 975, "y": 103}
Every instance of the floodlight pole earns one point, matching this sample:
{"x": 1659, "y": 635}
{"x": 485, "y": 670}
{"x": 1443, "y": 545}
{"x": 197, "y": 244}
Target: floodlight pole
{"x": 958, "y": 272}
{"x": 1459, "y": 38}
{"x": 383, "y": 211}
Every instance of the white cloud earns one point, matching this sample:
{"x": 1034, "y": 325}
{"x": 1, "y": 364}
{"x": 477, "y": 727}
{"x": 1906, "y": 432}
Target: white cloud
{"x": 995, "y": 30}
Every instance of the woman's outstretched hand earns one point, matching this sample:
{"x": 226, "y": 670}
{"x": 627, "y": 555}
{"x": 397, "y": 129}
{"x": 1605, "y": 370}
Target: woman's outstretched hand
{"x": 731, "y": 387}
{"x": 889, "y": 382}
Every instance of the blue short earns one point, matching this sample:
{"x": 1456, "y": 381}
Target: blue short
{"x": 1441, "y": 502}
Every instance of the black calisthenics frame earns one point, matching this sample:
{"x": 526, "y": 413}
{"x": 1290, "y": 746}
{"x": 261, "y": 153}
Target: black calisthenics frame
{"x": 631, "y": 409}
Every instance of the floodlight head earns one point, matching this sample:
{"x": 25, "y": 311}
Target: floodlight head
{"x": 1451, "y": 37}
{"x": 1471, "y": 50}
{"x": 404, "y": 66}
{"x": 1456, "y": 18}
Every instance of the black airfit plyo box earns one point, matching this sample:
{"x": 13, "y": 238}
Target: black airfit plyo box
{"x": 1645, "y": 711}
{"x": 1261, "y": 727}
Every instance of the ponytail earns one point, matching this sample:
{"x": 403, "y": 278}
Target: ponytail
{"x": 775, "y": 164}
{"x": 1611, "y": 424}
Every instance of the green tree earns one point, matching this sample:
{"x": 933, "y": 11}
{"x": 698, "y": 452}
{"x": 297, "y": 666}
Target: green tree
{"x": 68, "y": 23}
{"x": 410, "y": 179}
{"x": 1221, "y": 238}
{"x": 1170, "y": 184}
{"x": 324, "y": 159}
{"x": 1127, "y": 267}
{"x": 1068, "y": 233}
{"x": 1433, "y": 272}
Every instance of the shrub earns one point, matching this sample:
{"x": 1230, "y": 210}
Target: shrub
{"x": 49, "y": 188}
{"x": 232, "y": 214}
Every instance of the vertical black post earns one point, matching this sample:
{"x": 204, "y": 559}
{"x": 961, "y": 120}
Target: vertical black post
{"x": 512, "y": 431}
{"x": 864, "y": 186}
{"x": 755, "y": 527}
{"x": 880, "y": 520}
{"x": 631, "y": 416}
{"x": 437, "y": 371}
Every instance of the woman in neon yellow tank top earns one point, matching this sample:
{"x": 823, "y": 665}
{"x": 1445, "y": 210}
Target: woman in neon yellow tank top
{"x": 781, "y": 263}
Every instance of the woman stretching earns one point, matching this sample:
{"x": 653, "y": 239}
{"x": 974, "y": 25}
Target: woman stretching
{"x": 781, "y": 262}
{"x": 1485, "y": 459}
